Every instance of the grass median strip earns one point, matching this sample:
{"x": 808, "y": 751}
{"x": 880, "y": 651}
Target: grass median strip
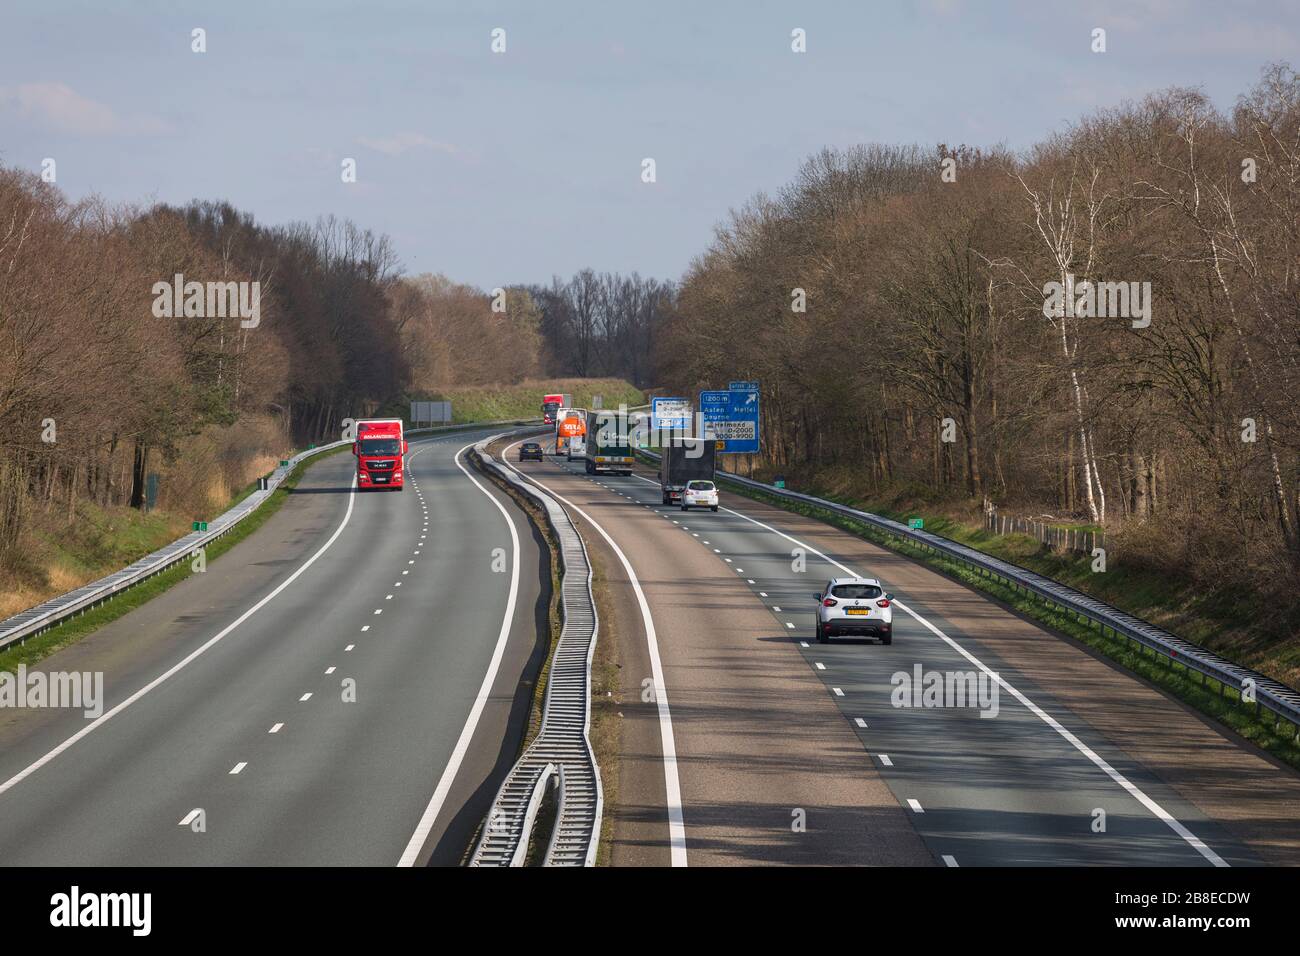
{"x": 42, "y": 645}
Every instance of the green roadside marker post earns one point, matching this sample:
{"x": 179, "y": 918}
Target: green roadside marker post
{"x": 916, "y": 524}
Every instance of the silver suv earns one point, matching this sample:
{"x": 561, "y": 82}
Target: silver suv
{"x": 854, "y": 606}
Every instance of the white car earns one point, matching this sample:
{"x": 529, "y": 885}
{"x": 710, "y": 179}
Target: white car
{"x": 854, "y": 606}
{"x": 700, "y": 494}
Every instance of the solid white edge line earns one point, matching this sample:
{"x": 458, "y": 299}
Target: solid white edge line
{"x": 193, "y": 655}
{"x": 672, "y": 783}
{"x": 1134, "y": 791}
{"x": 430, "y": 815}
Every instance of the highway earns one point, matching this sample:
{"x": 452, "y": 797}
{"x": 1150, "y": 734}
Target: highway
{"x": 342, "y": 687}
{"x": 770, "y": 732}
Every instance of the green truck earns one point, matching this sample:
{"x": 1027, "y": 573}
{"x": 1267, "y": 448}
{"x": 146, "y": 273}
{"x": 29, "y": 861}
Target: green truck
{"x": 608, "y": 443}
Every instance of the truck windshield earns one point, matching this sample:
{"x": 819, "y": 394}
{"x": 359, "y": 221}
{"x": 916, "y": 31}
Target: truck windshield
{"x": 381, "y": 446}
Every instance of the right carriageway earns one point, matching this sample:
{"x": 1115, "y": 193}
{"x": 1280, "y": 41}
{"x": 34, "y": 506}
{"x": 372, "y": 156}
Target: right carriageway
{"x": 783, "y": 750}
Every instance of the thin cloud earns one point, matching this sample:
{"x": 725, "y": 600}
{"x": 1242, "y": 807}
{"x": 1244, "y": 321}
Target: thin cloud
{"x": 59, "y": 107}
{"x": 401, "y": 143}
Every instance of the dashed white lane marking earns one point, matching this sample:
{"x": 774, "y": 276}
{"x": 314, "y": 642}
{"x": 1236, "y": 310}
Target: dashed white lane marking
{"x": 750, "y": 581}
{"x": 775, "y": 608}
{"x": 366, "y": 627}
{"x": 275, "y": 728}
{"x": 716, "y": 551}
{"x": 190, "y": 817}
{"x": 789, "y": 625}
{"x": 761, "y": 593}
{"x": 803, "y": 643}
{"x": 194, "y": 655}
{"x": 915, "y": 805}
{"x": 949, "y": 860}
{"x": 838, "y": 692}
{"x": 329, "y": 670}
{"x": 388, "y": 597}
{"x": 860, "y": 722}
{"x": 348, "y": 648}
{"x": 380, "y": 610}
{"x": 306, "y": 696}
{"x": 820, "y": 666}
{"x": 238, "y": 768}
{"x": 884, "y": 758}
{"x": 1100, "y": 762}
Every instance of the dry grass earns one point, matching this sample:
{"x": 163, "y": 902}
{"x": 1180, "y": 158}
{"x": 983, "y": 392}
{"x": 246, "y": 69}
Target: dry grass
{"x": 210, "y": 469}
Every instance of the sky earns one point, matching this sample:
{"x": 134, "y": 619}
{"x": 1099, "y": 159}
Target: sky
{"x": 497, "y": 168}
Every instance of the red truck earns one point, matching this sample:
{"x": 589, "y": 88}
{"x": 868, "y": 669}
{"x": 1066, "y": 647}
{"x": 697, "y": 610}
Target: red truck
{"x": 553, "y": 403}
{"x": 379, "y": 448}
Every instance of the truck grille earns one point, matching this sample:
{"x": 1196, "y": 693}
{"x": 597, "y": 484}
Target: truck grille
{"x": 380, "y": 465}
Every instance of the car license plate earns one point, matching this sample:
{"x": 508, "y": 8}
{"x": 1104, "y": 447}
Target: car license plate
{"x": 858, "y": 610}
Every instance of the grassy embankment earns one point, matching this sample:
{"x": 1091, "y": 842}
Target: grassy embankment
{"x": 487, "y": 403}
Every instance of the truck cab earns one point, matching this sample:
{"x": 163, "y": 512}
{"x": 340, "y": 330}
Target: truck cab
{"x": 552, "y": 404}
{"x": 380, "y": 448}
{"x": 570, "y": 423}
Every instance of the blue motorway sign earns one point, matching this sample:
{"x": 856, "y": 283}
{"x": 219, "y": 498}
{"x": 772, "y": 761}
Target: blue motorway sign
{"x": 670, "y": 413}
{"x": 742, "y": 386}
{"x": 731, "y": 417}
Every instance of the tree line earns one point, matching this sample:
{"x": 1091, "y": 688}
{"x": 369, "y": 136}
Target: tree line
{"x": 1106, "y": 325}
{"x": 100, "y": 387}
{"x": 97, "y": 391}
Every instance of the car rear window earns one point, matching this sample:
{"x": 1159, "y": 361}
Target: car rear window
{"x": 700, "y": 485}
{"x": 856, "y": 591}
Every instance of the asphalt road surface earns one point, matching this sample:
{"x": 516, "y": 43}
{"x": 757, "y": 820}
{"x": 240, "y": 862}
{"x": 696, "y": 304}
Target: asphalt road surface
{"x": 1083, "y": 764}
{"x": 342, "y": 687}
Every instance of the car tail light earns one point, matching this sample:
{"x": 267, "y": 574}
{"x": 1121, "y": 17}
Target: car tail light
{"x": 883, "y": 602}
{"x": 830, "y": 602}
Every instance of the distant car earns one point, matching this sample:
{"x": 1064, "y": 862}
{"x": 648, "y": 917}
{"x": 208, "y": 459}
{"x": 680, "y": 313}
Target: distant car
{"x": 856, "y": 607}
{"x": 530, "y": 449}
{"x": 700, "y": 494}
